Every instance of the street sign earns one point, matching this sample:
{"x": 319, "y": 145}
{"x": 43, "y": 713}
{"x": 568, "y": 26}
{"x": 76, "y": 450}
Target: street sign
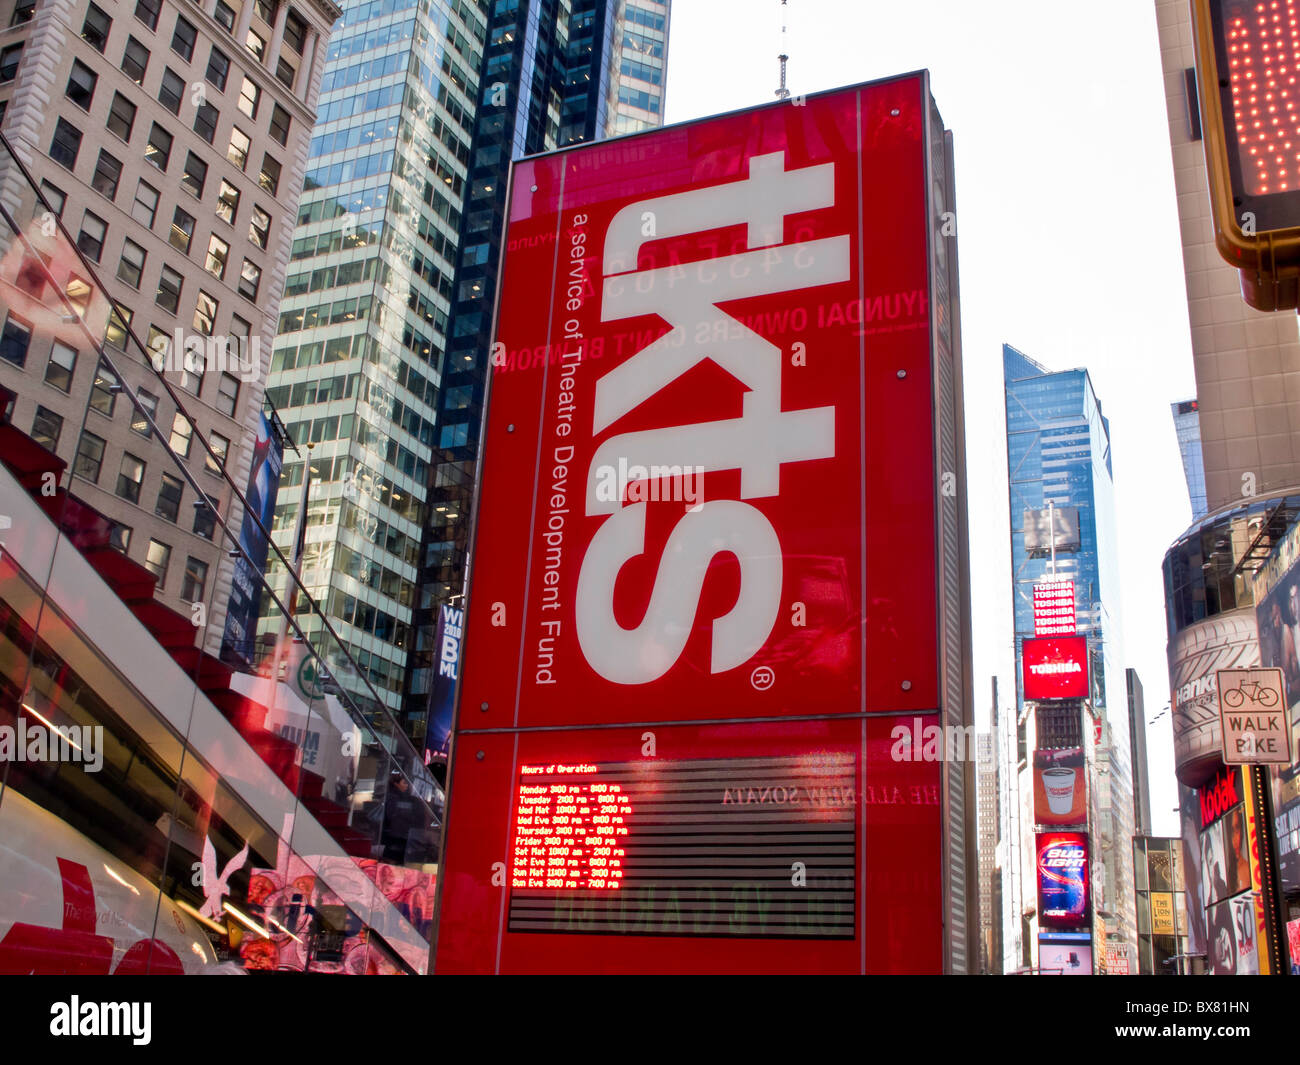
{"x": 1253, "y": 718}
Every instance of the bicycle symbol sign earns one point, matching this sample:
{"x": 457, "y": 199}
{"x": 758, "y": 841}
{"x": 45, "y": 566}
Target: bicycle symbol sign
{"x": 1253, "y": 717}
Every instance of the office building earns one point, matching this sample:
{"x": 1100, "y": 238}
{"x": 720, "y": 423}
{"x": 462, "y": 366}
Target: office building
{"x": 385, "y": 332}
{"x": 990, "y": 894}
{"x": 170, "y": 138}
{"x": 1138, "y": 747}
{"x": 1062, "y": 521}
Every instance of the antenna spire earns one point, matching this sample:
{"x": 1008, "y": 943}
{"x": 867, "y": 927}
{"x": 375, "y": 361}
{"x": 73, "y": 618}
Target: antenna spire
{"x": 782, "y": 92}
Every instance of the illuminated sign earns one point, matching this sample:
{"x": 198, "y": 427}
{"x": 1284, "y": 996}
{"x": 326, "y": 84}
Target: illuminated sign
{"x": 1064, "y": 957}
{"x": 1060, "y": 787}
{"x": 1056, "y": 668}
{"x": 1054, "y": 608}
{"x": 692, "y": 847}
{"x": 1063, "y": 877}
{"x": 699, "y": 344}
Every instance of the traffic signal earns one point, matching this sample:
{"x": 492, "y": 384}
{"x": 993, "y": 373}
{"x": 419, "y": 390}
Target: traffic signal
{"x": 1248, "y": 67}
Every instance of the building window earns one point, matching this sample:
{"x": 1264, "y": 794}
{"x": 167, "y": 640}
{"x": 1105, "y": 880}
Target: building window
{"x": 250, "y": 277}
{"x": 218, "y": 254}
{"x": 103, "y": 393}
{"x": 46, "y": 427}
{"x": 183, "y": 38}
{"x": 119, "y": 321}
{"x": 259, "y": 227}
{"x": 205, "y": 121}
{"x": 145, "y": 208}
{"x": 146, "y": 403}
{"x": 218, "y": 68}
{"x": 91, "y": 238}
{"x": 255, "y": 44}
{"x": 170, "y": 493}
{"x": 9, "y": 59}
{"x": 285, "y": 71}
{"x": 108, "y": 172}
{"x": 23, "y": 12}
{"x": 121, "y": 117}
{"x": 227, "y": 202}
{"x": 94, "y": 30}
{"x": 159, "y": 345}
{"x": 182, "y": 435}
{"x": 182, "y": 232}
{"x": 89, "y": 457}
{"x": 158, "y": 149}
{"x": 205, "y": 314}
{"x": 55, "y": 197}
{"x": 225, "y": 15}
{"x": 280, "y": 122}
{"x": 130, "y": 477}
{"x": 196, "y": 580}
{"x": 196, "y": 174}
{"x": 60, "y": 368}
{"x": 66, "y": 143}
{"x": 135, "y": 60}
{"x": 295, "y": 32}
{"x": 265, "y": 10}
{"x": 205, "y": 517}
{"x": 269, "y": 178}
{"x": 130, "y": 268}
{"x": 192, "y": 375}
{"x": 227, "y": 394}
{"x": 156, "y": 560}
{"x": 147, "y": 12}
{"x": 119, "y": 537}
{"x": 237, "y": 153}
{"x": 172, "y": 91}
{"x": 170, "y": 284}
{"x": 221, "y": 446}
{"x": 249, "y": 98}
{"x": 81, "y": 85}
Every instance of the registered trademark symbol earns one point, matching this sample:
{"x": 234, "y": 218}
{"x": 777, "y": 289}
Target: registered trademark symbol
{"x": 762, "y": 678}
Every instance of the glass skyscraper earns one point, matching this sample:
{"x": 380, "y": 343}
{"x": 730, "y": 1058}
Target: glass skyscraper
{"x": 1058, "y": 453}
{"x": 1187, "y": 424}
{"x": 384, "y": 334}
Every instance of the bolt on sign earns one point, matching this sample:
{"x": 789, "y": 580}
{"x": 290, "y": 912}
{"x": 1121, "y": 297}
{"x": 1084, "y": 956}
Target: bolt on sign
{"x": 724, "y": 398}
{"x": 1253, "y": 717}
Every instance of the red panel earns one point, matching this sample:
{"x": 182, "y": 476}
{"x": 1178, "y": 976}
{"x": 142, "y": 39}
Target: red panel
{"x": 1056, "y": 668}
{"x": 893, "y": 816}
{"x": 746, "y": 295}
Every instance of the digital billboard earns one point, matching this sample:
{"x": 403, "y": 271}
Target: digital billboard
{"x": 1054, "y": 609}
{"x": 1063, "y": 879}
{"x": 1060, "y": 787}
{"x": 705, "y": 333}
{"x": 1055, "y": 668}
{"x": 1068, "y": 957}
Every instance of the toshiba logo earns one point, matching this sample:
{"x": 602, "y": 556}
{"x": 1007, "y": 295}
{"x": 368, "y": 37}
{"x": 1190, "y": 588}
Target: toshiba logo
{"x": 1047, "y": 668}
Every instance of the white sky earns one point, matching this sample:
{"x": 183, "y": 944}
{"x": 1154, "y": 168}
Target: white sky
{"x": 1067, "y": 241}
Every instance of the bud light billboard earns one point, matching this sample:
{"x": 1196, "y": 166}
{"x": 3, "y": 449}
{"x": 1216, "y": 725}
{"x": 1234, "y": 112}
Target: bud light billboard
{"x": 1056, "y": 668}
{"x": 246, "y": 584}
{"x": 1063, "y": 880}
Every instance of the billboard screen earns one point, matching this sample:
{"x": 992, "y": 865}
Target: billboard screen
{"x": 1065, "y": 957}
{"x": 1063, "y": 878}
{"x": 1054, "y": 613}
{"x": 697, "y": 349}
{"x": 246, "y": 584}
{"x": 1056, "y": 668}
{"x": 1060, "y": 787}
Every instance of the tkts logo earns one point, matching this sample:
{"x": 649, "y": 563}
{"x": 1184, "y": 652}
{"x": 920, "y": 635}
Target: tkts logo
{"x": 757, "y": 444}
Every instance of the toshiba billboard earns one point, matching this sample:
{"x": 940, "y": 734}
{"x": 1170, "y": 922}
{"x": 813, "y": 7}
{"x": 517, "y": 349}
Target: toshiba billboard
{"x": 1056, "y": 668}
{"x": 711, "y": 437}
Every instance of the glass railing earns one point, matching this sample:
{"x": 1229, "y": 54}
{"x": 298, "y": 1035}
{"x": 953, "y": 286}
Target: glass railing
{"x": 283, "y": 824}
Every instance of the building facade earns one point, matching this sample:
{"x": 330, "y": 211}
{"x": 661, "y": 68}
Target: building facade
{"x": 1063, "y": 529}
{"x": 1137, "y": 724}
{"x": 170, "y": 138}
{"x": 1187, "y": 426}
{"x": 990, "y": 894}
{"x": 384, "y": 337}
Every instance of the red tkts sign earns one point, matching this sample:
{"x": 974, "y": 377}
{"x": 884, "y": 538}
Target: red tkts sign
{"x": 710, "y": 449}
{"x": 1056, "y": 668}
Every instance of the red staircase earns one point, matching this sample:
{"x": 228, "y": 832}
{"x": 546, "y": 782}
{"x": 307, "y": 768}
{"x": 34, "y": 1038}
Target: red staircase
{"x": 89, "y": 531}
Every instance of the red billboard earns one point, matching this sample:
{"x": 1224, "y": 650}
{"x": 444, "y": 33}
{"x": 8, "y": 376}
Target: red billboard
{"x": 710, "y": 437}
{"x": 1056, "y": 668}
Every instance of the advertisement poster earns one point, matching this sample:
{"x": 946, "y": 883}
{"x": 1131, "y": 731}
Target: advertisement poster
{"x": 1277, "y": 614}
{"x": 1056, "y": 668}
{"x": 1060, "y": 787}
{"x": 442, "y": 692}
{"x": 1064, "y": 957}
{"x": 1063, "y": 880}
{"x": 1190, "y": 820}
{"x": 1162, "y": 913}
{"x": 1232, "y": 937}
{"x": 237, "y": 644}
